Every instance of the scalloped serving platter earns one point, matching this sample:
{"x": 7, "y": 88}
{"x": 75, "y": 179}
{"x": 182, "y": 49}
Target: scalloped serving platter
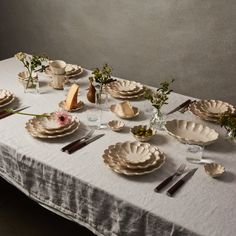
{"x": 191, "y": 132}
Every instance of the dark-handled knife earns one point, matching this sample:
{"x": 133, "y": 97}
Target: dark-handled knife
{"x": 184, "y": 104}
{"x": 6, "y": 114}
{"x": 82, "y": 144}
{"x": 70, "y": 145}
{"x": 178, "y": 185}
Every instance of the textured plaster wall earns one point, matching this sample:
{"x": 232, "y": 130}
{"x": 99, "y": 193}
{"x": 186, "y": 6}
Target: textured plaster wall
{"x": 150, "y": 41}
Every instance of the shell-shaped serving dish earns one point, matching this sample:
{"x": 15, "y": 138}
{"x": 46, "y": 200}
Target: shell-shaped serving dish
{"x": 214, "y": 169}
{"x": 116, "y": 125}
{"x": 191, "y": 132}
{"x": 124, "y": 116}
{"x": 142, "y": 138}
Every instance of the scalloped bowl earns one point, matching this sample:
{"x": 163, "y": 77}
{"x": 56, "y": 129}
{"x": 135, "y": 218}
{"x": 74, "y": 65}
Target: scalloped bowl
{"x": 191, "y": 133}
{"x": 214, "y": 169}
{"x": 142, "y": 138}
{"x": 116, "y": 125}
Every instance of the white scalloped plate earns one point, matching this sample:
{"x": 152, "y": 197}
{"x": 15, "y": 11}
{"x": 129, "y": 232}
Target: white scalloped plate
{"x": 191, "y": 132}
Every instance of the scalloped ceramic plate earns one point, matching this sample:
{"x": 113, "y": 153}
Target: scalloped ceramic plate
{"x": 135, "y": 110}
{"x": 191, "y": 132}
{"x": 210, "y": 109}
{"x": 129, "y": 171}
{"x": 7, "y": 97}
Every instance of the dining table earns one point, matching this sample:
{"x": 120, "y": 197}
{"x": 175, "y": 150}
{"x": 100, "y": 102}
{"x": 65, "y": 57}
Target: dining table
{"x": 81, "y": 187}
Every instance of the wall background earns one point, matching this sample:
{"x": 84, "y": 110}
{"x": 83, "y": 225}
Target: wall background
{"x": 150, "y": 41}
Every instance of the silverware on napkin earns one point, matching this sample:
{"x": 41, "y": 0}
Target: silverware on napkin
{"x": 180, "y": 183}
{"x": 80, "y": 145}
{"x": 178, "y": 172}
{"x": 183, "y": 105}
{"x": 70, "y": 145}
{"x": 4, "y": 114}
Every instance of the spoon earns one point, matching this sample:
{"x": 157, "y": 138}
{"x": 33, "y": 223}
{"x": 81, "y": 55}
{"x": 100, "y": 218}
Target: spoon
{"x": 197, "y": 161}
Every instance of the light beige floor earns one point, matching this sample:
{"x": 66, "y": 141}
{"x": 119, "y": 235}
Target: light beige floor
{"x": 20, "y": 216}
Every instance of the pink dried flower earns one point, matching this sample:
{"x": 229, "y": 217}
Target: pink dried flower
{"x": 63, "y": 118}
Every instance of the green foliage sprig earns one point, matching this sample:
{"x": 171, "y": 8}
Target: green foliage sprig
{"x": 102, "y": 76}
{"x": 31, "y": 63}
{"x": 228, "y": 121}
{"x": 159, "y": 97}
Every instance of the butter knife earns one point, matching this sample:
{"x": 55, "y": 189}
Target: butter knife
{"x": 184, "y": 104}
{"x": 181, "y": 182}
{"x": 83, "y": 144}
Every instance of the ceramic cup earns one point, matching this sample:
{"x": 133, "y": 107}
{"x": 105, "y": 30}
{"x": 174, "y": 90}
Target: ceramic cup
{"x": 57, "y": 67}
{"x": 58, "y": 81}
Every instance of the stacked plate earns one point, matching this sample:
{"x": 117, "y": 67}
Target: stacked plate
{"x": 125, "y": 89}
{"x": 71, "y": 71}
{"x": 48, "y": 127}
{"x": 210, "y": 110}
{"x": 133, "y": 158}
{"x": 6, "y": 97}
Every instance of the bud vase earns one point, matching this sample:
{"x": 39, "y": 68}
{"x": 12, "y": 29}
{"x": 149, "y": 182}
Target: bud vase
{"x": 158, "y": 120}
{"x": 31, "y": 85}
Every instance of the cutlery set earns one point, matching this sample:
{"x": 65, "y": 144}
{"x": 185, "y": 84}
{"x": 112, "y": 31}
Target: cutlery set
{"x": 173, "y": 189}
{"x": 182, "y": 107}
{"x": 81, "y": 142}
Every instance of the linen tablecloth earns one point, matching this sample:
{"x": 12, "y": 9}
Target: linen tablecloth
{"x": 80, "y": 187}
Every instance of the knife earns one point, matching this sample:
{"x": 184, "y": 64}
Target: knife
{"x": 5, "y": 114}
{"x": 178, "y": 185}
{"x": 184, "y": 104}
{"x": 83, "y": 144}
{"x": 70, "y": 145}
{"x": 178, "y": 172}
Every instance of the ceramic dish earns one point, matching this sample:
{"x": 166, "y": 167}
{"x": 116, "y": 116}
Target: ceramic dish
{"x": 214, "y": 169}
{"x": 125, "y": 86}
{"x": 7, "y": 98}
{"x": 210, "y": 109}
{"x": 80, "y": 105}
{"x": 135, "y": 110}
{"x": 191, "y": 133}
{"x": 155, "y": 156}
{"x": 142, "y": 138}
{"x": 35, "y": 132}
{"x": 131, "y": 172}
{"x": 116, "y": 125}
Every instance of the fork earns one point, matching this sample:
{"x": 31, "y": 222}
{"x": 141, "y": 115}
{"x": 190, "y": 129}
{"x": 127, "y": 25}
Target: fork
{"x": 88, "y": 135}
{"x": 178, "y": 172}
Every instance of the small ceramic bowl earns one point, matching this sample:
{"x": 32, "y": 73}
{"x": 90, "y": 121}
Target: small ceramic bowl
{"x": 214, "y": 169}
{"x": 116, "y": 125}
{"x": 142, "y": 138}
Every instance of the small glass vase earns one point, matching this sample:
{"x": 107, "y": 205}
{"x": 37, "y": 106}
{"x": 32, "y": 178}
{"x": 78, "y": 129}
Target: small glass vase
{"x": 101, "y": 98}
{"x": 158, "y": 120}
{"x": 31, "y": 85}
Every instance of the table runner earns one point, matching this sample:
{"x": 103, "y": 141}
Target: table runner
{"x": 82, "y": 188}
